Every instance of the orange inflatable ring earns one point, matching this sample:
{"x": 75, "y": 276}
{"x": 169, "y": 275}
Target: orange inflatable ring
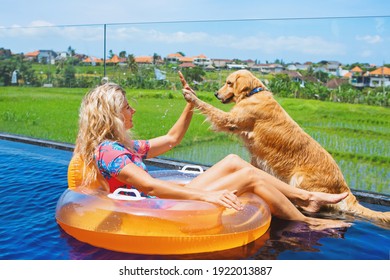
{"x": 134, "y": 224}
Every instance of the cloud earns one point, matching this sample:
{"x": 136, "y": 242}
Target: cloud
{"x": 366, "y": 53}
{"x": 370, "y": 39}
{"x": 155, "y": 36}
{"x": 34, "y": 29}
{"x": 261, "y": 42}
{"x": 380, "y": 25}
{"x": 299, "y": 44}
{"x": 47, "y": 31}
{"x": 136, "y": 37}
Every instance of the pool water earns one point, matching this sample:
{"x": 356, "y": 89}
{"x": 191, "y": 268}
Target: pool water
{"x": 32, "y": 178}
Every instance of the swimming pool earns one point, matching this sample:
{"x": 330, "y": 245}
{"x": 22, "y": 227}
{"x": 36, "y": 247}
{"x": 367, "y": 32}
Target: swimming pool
{"x": 33, "y": 177}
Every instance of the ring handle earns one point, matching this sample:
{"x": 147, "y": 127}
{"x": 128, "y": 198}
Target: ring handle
{"x": 117, "y": 194}
{"x": 198, "y": 169}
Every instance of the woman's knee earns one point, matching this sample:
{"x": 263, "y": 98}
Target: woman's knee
{"x": 234, "y": 161}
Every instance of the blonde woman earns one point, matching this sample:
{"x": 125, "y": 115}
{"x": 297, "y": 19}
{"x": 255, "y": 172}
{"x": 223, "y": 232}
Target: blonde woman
{"x": 105, "y": 145}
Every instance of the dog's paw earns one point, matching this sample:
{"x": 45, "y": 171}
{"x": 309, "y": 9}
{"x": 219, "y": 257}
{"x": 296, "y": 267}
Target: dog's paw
{"x": 189, "y": 95}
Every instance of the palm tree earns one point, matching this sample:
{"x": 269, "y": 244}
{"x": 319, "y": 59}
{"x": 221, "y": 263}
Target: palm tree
{"x": 133, "y": 66}
{"x": 156, "y": 57}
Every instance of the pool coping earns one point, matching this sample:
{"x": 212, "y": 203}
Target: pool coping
{"x": 363, "y": 196}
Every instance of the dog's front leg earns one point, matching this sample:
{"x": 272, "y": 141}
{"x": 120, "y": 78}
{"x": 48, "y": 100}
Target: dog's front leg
{"x": 220, "y": 120}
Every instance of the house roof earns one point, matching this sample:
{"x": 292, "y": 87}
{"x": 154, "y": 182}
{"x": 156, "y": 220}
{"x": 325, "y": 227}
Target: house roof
{"x": 221, "y": 59}
{"x": 356, "y": 69}
{"x": 174, "y": 55}
{"x": 200, "y": 56}
{"x": 92, "y": 59}
{"x": 144, "y": 59}
{"x": 186, "y": 59}
{"x": 32, "y": 54}
{"x": 335, "y": 83}
{"x": 348, "y": 75}
{"x": 116, "y": 59}
{"x": 381, "y": 71}
{"x": 187, "y": 65}
{"x": 293, "y": 74}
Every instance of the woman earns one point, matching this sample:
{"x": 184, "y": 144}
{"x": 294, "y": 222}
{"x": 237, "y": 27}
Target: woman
{"x": 106, "y": 147}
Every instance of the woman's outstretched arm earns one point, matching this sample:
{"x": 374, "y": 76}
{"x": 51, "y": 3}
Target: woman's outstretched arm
{"x": 162, "y": 144}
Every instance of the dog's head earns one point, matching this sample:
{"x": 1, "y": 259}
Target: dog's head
{"x": 239, "y": 85}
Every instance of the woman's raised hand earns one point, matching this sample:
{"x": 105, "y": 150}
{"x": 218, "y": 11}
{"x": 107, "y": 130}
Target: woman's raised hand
{"x": 188, "y": 93}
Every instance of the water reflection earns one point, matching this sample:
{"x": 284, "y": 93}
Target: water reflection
{"x": 282, "y": 237}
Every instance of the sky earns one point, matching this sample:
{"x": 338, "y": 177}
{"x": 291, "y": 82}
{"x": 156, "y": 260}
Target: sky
{"x": 265, "y": 31}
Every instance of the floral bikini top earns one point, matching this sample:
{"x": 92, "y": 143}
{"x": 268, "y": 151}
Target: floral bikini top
{"x": 111, "y": 157}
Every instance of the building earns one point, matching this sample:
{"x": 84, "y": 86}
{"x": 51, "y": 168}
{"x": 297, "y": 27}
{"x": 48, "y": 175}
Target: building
{"x": 220, "y": 63}
{"x": 91, "y": 60}
{"x": 47, "y": 56}
{"x": 380, "y": 77}
{"x": 144, "y": 60}
{"x": 173, "y": 58}
{"x": 268, "y": 68}
{"x": 202, "y": 61}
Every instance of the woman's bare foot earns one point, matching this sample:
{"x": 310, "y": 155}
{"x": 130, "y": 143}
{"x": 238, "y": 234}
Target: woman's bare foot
{"x": 321, "y": 224}
{"x": 318, "y": 199}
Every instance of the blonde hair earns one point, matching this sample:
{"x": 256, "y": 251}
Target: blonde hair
{"x": 100, "y": 118}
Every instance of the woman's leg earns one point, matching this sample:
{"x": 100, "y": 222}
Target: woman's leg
{"x": 247, "y": 179}
{"x": 309, "y": 201}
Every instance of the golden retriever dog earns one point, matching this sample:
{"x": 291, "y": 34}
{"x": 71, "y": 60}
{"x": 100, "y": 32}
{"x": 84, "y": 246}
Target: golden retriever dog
{"x": 277, "y": 144}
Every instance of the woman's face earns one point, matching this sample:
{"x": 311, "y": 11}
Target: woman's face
{"x": 128, "y": 113}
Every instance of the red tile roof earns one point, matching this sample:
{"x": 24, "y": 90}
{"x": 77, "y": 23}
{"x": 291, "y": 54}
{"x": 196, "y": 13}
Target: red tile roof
{"x": 187, "y": 65}
{"x": 174, "y": 55}
{"x": 381, "y": 71}
{"x": 144, "y": 59}
{"x": 32, "y": 54}
{"x": 186, "y": 59}
{"x": 114, "y": 59}
{"x": 92, "y": 59}
{"x": 356, "y": 69}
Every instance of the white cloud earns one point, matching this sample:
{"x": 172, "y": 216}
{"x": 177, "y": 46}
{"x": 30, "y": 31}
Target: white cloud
{"x": 370, "y": 39}
{"x": 261, "y": 42}
{"x": 380, "y": 25}
{"x": 308, "y": 45}
{"x": 366, "y": 53}
{"x": 146, "y": 39}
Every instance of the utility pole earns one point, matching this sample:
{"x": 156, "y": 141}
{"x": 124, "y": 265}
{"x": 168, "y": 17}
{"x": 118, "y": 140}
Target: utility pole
{"x": 104, "y": 55}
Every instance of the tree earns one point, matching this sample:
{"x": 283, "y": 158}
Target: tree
{"x": 133, "y": 66}
{"x": 194, "y": 75}
{"x": 24, "y": 69}
{"x": 156, "y": 57}
{"x": 122, "y": 54}
{"x": 71, "y": 51}
{"x": 110, "y": 54}
{"x": 322, "y": 76}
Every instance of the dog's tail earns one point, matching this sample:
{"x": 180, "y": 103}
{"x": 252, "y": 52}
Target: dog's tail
{"x": 351, "y": 206}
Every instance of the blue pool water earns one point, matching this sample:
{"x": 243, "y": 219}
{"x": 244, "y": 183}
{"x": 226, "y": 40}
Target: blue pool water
{"x": 32, "y": 178}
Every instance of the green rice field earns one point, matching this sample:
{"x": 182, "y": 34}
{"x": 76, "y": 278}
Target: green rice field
{"x": 358, "y": 136}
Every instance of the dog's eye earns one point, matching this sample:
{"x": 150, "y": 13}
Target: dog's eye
{"x": 229, "y": 83}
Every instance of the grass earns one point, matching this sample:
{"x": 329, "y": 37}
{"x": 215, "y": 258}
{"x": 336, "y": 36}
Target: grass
{"x": 358, "y": 136}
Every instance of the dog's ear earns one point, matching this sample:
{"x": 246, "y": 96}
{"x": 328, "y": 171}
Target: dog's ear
{"x": 242, "y": 86}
